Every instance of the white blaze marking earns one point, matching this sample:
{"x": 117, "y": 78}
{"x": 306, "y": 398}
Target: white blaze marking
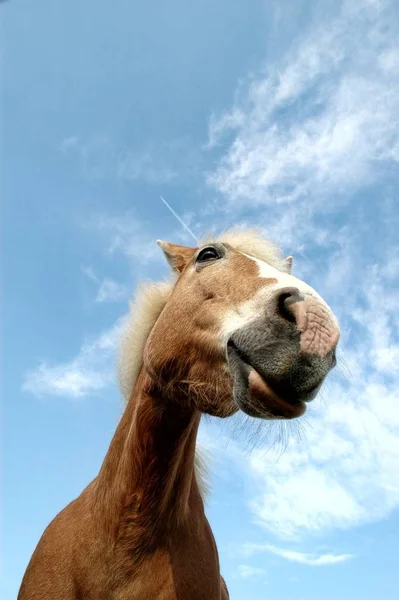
{"x": 251, "y": 309}
{"x": 287, "y": 280}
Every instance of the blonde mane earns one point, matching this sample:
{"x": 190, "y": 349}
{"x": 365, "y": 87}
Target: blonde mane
{"x": 151, "y": 298}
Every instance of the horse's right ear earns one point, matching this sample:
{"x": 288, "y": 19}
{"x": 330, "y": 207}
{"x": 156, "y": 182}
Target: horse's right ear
{"x": 177, "y": 256}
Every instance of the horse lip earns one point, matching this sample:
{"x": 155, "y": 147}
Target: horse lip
{"x": 243, "y": 358}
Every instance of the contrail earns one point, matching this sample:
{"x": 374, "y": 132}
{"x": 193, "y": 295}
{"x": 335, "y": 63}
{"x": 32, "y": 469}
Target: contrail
{"x": 174, "y": 213}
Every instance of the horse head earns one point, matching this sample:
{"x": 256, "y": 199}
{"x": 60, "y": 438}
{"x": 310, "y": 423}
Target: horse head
{"x": 239, "y": 331}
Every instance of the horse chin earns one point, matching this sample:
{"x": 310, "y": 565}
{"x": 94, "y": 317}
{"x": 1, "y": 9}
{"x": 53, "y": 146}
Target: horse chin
{"x": 214, "y": 398}
{"x": 222, "y": 412}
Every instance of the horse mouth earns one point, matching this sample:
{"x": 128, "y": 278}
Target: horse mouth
{"x": 255, "y": 394}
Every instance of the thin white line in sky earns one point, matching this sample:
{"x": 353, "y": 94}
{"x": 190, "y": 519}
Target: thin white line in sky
{"x": 174, "y": 213}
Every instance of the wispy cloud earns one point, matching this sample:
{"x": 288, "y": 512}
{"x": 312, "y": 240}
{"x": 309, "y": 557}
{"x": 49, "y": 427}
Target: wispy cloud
{"x": 303, "y": 558}
{"x": 68, "y": 144}
{"x": 111, "y": 291}
{"x": 108, "y": 290}
{"x": 95, "y": 157}
{"x": 247, "y": 571}
{"x": 99, "y": 158}
{"x": 145, "y": 166}
{"x": 128, "y": 235}
{"x": 89, "y": 371}
{"x": 323, "y": 121}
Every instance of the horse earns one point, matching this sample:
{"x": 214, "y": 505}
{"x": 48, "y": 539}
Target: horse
{"x": 234, "y": 330}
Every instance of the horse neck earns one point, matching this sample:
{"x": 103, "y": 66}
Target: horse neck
{"x": 148, "y": 473}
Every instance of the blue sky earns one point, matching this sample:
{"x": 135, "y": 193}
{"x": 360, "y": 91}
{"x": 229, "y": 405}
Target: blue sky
{"x": 283, "y": 115}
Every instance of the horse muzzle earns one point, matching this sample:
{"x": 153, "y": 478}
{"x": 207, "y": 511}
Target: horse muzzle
{"x": 279, "y": 361}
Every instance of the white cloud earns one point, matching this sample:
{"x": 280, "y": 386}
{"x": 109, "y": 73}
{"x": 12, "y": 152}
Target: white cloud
{"x": 68, "y": 144}
{"x": 144, "y": 166}
{"x": 90, "y": 371}
{"x": 128, "y": 235}
{"x": 89, "y": 272}
{"x": 100, "y": 159}
{"x": 109, "y": 290}
{"x": 322, "y": 122}
{"x": 246, "y": 571}
{"x": 303, "y": 558}
{"x": 95, "y": 156}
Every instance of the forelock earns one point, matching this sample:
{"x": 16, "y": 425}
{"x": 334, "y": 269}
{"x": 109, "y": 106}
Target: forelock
{"x": 252, "y": 241}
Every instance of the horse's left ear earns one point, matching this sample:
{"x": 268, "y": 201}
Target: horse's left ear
{"x": 177, "y": 256}
{"x": 288, "y": 264}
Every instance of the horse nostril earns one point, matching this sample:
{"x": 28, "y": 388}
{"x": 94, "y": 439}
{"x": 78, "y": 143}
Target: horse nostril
{"x": 285, "y": 303}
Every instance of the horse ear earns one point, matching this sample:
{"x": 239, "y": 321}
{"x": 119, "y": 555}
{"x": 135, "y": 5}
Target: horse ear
{"x": 288, "y": 264}
{"x": 177, "y": 256}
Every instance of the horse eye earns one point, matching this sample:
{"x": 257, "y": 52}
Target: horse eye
{"x": 208, "y": 254}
